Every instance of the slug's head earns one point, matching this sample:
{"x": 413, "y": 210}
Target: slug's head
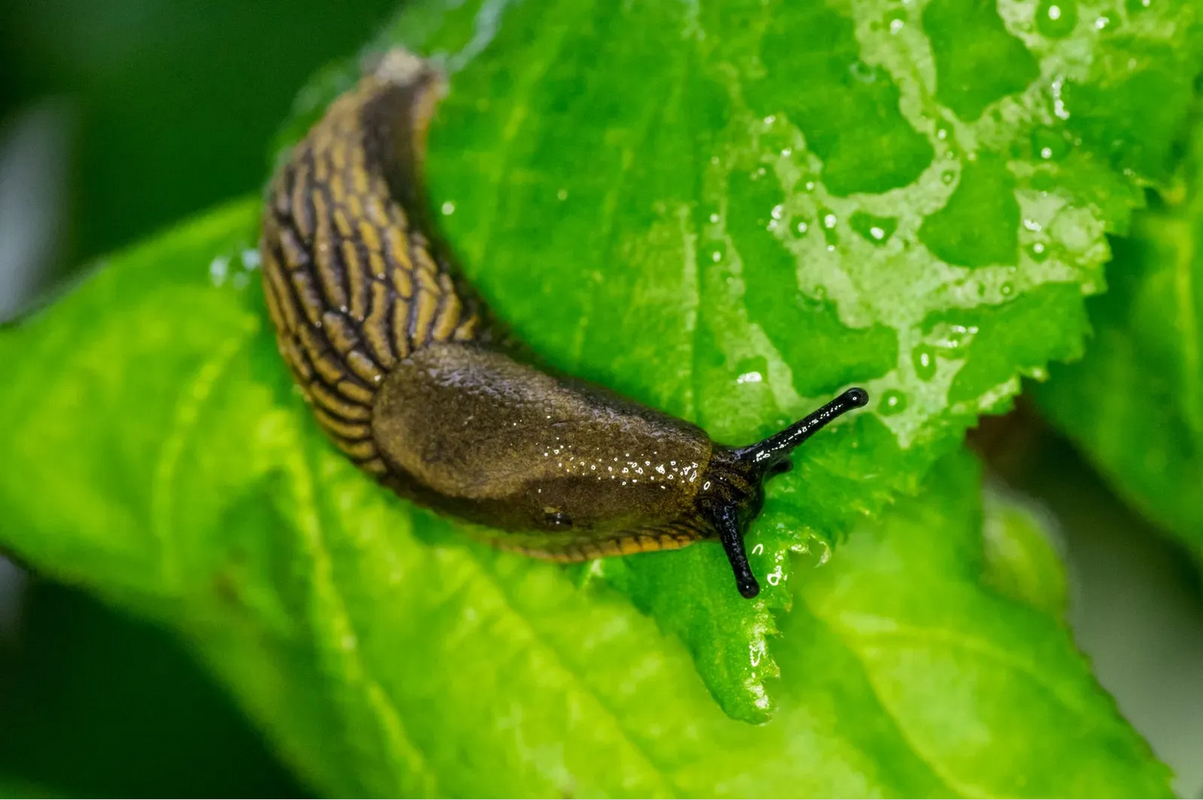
{"x": 732, "y": 490}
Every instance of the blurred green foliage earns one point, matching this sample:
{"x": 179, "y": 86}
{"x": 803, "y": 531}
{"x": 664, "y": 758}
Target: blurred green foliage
{"x": 1135, "y": 403}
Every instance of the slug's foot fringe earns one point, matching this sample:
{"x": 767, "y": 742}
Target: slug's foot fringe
{"x": 628, "y": 543}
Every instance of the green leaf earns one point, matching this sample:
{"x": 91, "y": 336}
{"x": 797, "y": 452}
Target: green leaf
{"x": 1135, "y": 403}
{"x": 156, "y": 453}
{"x": 960, "y": 667}
{"x": 732, "y": 210}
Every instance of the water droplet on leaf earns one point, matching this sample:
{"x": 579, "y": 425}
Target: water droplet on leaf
{"x": 1049, "y": 144}
{"x": 1056, "y": 19}
{"x": 892, "y": 402}
{"x": 924, "y": 359}
{"x": 876, "y": 230}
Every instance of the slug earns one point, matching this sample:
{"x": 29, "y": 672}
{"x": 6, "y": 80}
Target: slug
{"x": 412, "y": 378}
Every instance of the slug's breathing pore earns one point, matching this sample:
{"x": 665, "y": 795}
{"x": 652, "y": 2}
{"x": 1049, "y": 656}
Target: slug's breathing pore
{"x": 411, "y": 377}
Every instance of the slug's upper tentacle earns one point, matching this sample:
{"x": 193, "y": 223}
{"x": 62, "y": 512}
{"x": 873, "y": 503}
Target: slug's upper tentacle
{"x": 774, "y": 450}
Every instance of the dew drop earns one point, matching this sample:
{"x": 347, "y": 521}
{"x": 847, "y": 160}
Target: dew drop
{"x": 824, "y": 553}
{"x": 959, "y": 336}
{"x": 924, "y": 359}
{"x": 219, "y": 268}
{"x": 1056, "y": 18}
{"x": 875, "y": 230}
{"x": 1056, "y": 87}
{"x": 892, "y": 402}
{"x": 1049, "y": 144}
{"x": 829, "y": 221}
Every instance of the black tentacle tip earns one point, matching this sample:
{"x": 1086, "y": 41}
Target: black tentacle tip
{"x": 856, "y": 397}
{"x": 730, "y": 533}
{"x": 745, "y": 580}
{"x": 748, "y": 586}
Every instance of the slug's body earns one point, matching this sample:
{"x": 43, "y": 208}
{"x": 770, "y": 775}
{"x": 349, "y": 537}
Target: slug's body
{"x": 412, "y": 379}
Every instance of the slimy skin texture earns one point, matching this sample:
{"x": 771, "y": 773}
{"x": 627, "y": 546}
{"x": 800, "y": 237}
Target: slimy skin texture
{"x": 412, "y": 378}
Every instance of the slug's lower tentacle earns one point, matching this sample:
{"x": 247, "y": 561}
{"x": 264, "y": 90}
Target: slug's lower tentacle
{"x": 726, "y": 519}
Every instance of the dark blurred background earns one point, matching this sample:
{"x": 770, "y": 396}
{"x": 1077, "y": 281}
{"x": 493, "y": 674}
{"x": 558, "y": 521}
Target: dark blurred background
{"x": 164, "y": 106}
{"x": 119, "y": 117}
